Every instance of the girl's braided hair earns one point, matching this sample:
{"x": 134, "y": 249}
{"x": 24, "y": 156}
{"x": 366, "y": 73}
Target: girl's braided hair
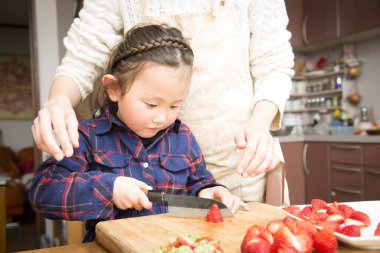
{"x": 159, "y": 44}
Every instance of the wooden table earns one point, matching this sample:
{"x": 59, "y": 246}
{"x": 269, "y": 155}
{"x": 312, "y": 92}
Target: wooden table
{"x": 147, "y": 234}
{"x": 91, "y": 247}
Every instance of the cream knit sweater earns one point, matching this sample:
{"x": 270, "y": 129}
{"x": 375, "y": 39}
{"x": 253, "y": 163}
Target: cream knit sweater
{"x": 242, "y": 55}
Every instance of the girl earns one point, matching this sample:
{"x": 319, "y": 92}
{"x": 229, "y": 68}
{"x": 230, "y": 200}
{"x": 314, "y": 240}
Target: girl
{"x": 136, "y": 144}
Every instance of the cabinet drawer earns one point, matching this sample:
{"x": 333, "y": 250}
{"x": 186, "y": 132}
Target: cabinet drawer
{"x": 346, "y": 153}
{"x": 372, "y": 182}
{"x": 345, "y": 195}
{"x": 372, "y": 154}
{"x": 347, "y": 176}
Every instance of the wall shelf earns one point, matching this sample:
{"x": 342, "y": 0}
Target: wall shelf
{"x": 324, "y": 93}
{"x": 314, "y": 109}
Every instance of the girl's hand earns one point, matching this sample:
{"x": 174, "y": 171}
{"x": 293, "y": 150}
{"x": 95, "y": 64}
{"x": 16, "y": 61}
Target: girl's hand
{"x": 57, "y": 118}
{"x": 130, "y": 193}
{"x": 223, "y": 195}
{"x": 256, "y": 143}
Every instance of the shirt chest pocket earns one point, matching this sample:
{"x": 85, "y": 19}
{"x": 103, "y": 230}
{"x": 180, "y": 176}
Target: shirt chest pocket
{"x": 111, "y": 161}
{"x": 173, "y": 174}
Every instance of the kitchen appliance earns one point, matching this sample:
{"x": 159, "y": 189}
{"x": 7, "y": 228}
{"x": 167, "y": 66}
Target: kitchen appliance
{"x": 187, "y": 206}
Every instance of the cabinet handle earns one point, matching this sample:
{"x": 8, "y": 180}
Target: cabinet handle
{"x": 374, "y": 172}
{"x": 345, "y": 168}
{"x": 345, "y": 190}
{"x": 304, "y": 30}
{"x": 351, "y": 147}
{"x": 304, "y": 154}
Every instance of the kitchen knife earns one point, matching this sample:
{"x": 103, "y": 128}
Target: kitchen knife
{"x": 187, "y": 206}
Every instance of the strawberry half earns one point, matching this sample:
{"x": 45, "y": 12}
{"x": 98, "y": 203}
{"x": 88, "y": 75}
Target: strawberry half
{"x": 360, "y": 216}
{"x": 325, "y": 241}
{"x": 295, "y": 210}
{"x": 214, "y": 215}
{"x": 377, "y": 231}
{"x": 352, "y": 230}
{"x": 317, "y": 204}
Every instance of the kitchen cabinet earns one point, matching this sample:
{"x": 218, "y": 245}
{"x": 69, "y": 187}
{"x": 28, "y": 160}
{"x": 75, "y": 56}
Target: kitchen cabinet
{"x": 317, "y": 21}
{"x": 315, "y": 159}
{"x": 357, "y": 16}
{"x": 294, "y": 172}
{"x": 372, "y": 171}
{"x": 347, "y": 177}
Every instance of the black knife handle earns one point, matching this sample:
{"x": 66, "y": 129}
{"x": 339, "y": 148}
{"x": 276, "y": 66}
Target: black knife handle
{"x": 156, "y": 196}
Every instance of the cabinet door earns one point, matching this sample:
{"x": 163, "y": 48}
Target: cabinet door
{"x": 320, "y": 20}
{"x": 294, "y": 9}
{"x": 316, "y": 166}
{"x": 372, "y": 171}
{"x": 358, "y": 16}
{"x": 294, "y": 171}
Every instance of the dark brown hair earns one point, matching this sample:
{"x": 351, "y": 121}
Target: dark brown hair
{"x": 147, "y": 43}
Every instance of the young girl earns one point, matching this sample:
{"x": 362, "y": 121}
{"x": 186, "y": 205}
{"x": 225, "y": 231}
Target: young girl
{"x": 136, "y": 144}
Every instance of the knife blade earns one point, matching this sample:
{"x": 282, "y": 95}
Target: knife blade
{"x": 187, "y": 206}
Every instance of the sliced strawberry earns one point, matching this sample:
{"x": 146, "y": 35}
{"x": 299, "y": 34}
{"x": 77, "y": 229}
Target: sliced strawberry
{"x": 214, "y": 215}
{"x": 332, "y": 225}
{"x": 346, "y": 210}
{"x": 318, "y": 216}
{"x": 360, "y": 216}
{"x": 306, "y": 242}
{"x": 306, "y": 212}
{"x": 306, "y": 227}
{"x": 287, "y": 249}
{"x": 336, "y": 218}
{"x": 349, "y": 221}
{"x": 325, "y": 241}
{"x": 317, "y": 204}
{"x": 274, "y": 226}
{"x": 351, "y": 230}
{"x": 377, "y": 231}
{"x": 285, "y": 238}
{"x": 333, "y": 208}
{"x": 295, "y": 210}
{"x": 257, "y": 245}
{"x": 290, "y": 223}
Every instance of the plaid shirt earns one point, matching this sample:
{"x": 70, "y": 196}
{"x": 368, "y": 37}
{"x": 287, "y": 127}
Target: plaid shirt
{"x": 81, "y": 187}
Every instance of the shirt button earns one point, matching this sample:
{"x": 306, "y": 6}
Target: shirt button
{"x": 145, "y": 165}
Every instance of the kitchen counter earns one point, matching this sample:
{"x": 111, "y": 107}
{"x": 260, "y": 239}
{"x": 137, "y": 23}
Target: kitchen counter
{"x": 330, "y": 138}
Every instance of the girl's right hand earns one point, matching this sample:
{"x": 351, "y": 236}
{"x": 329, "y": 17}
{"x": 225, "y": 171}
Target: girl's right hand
{"x": 130, "y": 193}
{"x": 57, "y": 118}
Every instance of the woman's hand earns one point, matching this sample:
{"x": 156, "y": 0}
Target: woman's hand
{"x": 256, "y": 143}
{"x": 223, "y": 195}
{"x": 130, "y": 193}
{"x": 56, "y": 121}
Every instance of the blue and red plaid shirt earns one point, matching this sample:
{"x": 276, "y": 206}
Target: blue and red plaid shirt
{"x": 81, "y": 187}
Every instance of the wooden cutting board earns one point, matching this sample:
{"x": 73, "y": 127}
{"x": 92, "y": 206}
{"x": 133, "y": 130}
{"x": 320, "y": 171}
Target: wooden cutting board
{"x": 149, "y": 233}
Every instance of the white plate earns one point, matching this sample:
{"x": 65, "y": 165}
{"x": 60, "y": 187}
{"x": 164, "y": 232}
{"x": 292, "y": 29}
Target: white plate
{"x": 367, "y": 240}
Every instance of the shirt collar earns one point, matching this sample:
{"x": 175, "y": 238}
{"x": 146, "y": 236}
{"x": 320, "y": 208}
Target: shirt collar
{"x": 106, "y": 119}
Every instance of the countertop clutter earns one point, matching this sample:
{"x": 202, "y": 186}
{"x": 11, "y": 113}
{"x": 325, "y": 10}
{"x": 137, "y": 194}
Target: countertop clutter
{"x": 330, "y": 138}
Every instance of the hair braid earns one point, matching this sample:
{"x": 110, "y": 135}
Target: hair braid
{"x": 146, "y": 46}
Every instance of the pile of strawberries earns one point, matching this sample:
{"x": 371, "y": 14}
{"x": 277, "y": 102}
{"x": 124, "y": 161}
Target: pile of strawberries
{"x": 290, "y": 236}
{"x": 340, "y": 218}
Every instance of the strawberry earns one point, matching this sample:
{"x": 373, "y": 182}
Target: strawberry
{"x": 306, "y": 242}
{"x": 336, "y": 218}
{"x": 274, "y": 226}
{"x": 317, "y": 204}
{"x": 318, "y": 216}
{"x": 306, "y": 212}
{"x": 351, "y": 230}
{"x": 306, "y": 227}
{"x": 287, "y": 249}
{"x": 332, "y": 225}
{"x": 257, "y": 245}
{"x": 345, "y": 209}
{"x": 295, "y": 210}
{"x": 349, "y": 221}
{"x": 377, "y": 231}
{"x": 325, "y": 241}
{"x": 256, "y": 239}
{"x": 333, "y": 208}
{"x": 360, "y": 216}
{"x": 214, "y": 215}
{"x": 285, "y": 238}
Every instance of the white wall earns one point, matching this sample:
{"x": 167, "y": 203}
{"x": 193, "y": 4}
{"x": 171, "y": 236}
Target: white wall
{"x": 369, "y": 81}
{"x": 15, "y": 133}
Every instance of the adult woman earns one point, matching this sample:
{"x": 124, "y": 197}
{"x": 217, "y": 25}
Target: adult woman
{"x": 240, "y": 84}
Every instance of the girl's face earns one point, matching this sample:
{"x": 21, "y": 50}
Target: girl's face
{"x": 153, "y": 101}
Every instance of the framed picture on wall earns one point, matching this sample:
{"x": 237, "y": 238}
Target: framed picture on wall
{"x": 15, "y": 88}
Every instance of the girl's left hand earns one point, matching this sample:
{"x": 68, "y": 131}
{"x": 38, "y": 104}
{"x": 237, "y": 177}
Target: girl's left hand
{"x": 223, "y": 195}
